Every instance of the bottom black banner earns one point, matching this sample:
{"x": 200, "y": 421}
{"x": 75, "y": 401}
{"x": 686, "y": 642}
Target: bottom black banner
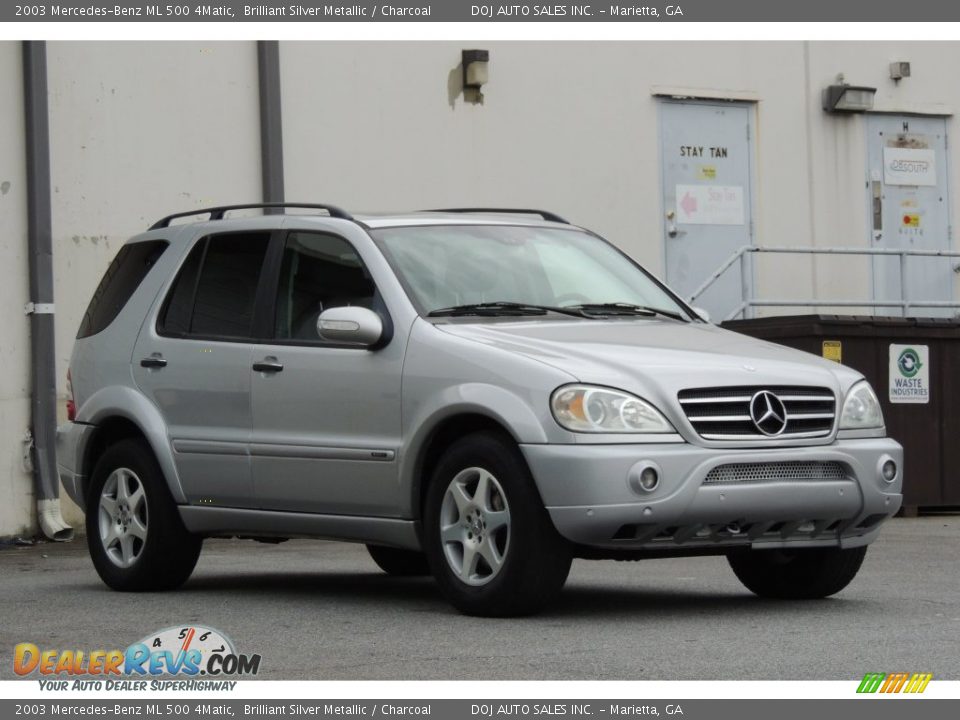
{"x": 876, "y": 708}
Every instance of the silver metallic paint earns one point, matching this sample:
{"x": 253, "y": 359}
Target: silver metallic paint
{"x": 504, "y": 371}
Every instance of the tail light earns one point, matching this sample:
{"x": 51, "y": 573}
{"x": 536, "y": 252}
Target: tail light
{"x": 71, "y": 403}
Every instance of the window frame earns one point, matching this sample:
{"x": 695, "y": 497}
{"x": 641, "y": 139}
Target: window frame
{"x": 257, "y": 321}
{"x": 272, "y": 268}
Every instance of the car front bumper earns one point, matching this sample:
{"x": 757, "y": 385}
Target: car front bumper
{"x": 593, "y": 498}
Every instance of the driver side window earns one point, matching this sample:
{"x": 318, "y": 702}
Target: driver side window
{"x": 318, "y": 272}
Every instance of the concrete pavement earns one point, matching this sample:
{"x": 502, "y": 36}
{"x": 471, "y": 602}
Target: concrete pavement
{"x": 321, "y": 610}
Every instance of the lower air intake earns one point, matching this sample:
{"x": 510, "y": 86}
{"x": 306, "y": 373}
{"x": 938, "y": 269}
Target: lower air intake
{"x": 775, "y": 472}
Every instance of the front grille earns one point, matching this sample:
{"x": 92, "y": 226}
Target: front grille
{"x": 775, "y": 472}
{"x": 724, "y": 413}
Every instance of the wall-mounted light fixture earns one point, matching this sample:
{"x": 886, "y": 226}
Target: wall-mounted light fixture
{"x": 899, "y": 70}
{"x": 848, "y": 98}
{"x": 475, "y": 72}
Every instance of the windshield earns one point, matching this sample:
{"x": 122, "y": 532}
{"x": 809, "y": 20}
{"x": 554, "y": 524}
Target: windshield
{"x": 450, "y": 266}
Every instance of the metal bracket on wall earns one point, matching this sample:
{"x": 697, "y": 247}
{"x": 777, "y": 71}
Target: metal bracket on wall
{"x": 39, "y": 309}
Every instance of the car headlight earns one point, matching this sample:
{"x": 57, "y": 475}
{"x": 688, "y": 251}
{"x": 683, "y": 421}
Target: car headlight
{"x": 584, "y": 408}
{"x": 861, "y": 408}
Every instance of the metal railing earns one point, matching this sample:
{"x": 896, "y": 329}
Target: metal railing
{"x": 750, "y": 302}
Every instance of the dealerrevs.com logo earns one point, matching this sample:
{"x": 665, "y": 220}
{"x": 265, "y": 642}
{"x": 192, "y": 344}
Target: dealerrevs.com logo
{"x": 899, "y": 682}
{"x": 185, "y": 651}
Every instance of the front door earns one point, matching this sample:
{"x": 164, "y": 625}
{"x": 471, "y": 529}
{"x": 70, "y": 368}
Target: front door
{"x": 326, "y": 417}
{"x": 707, "y": 163}
{"x": 908, "y": 199}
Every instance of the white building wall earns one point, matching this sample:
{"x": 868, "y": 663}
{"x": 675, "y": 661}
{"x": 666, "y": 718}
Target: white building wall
{"x": 141, "y": 129}
{"x": 137, "y": 130}
{"x": 571, "y": 127}
{"x": 16, "y": 491}
{"x": 838, "y": 167}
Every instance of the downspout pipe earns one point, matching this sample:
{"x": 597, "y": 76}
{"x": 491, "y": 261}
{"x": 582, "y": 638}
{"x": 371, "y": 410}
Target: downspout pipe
{"x": 271, "y": 123}
{"x": 40, "y": 308}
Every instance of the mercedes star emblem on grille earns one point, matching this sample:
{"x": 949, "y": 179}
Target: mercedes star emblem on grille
{"x": 768, "y": 413}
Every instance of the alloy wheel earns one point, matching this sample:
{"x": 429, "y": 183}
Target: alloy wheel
{"x": 123, "y": 517}
{"x": 475, "y": 526}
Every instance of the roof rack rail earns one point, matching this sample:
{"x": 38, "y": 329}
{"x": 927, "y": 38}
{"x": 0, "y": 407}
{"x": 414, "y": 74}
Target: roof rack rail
{"x": 545, "y": 214}
{"x": 216, "y": 213}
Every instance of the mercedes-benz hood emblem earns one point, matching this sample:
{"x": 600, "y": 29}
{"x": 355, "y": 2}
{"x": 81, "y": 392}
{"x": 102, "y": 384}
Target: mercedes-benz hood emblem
{"x": 768, "y": 413}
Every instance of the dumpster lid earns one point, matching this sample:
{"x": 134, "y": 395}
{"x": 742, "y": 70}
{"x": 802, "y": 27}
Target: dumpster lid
{"x": 821, "y": 324}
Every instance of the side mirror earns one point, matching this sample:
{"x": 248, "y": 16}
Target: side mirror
{"x": 702, "y": 314}
{"x": 351, "y": 324}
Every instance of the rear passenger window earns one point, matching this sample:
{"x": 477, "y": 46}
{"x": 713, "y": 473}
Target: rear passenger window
{"x": 175, "y": 319}
{"x": 215, "y": 292}
{"x": 121, "y": 280}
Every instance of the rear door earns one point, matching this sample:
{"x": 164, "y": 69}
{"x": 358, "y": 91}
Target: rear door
{"x": 194, "y": 363}
{"x": 326, "y": 417}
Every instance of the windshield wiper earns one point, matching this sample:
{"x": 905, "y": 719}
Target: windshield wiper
{"x": 622, "y": 308}
{"x": 501, "y": 308}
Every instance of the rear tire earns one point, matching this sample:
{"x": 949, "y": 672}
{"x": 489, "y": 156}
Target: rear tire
{"x": 489, "y": 540}
{"x": 399, "y": 563}
{"x": 803, "y": 574}
{"x": 136, "y": 538}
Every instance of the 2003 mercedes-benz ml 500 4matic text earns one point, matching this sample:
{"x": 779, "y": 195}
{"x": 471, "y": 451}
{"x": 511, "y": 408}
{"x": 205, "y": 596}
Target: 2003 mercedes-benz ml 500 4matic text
{"x": 478, "y": 395}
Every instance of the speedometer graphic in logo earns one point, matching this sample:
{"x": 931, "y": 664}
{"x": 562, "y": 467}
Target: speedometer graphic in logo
{"x": 184, "y": 638}
{"x": 188, "y": 650}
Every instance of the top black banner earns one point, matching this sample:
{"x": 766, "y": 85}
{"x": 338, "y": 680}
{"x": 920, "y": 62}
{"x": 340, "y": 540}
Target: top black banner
{"x": 478, "y": 11}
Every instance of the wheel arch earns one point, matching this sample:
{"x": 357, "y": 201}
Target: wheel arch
{"x": 454, "y": 411}
{"x": 121, "y": 413}
{"x": 441, "y": 434}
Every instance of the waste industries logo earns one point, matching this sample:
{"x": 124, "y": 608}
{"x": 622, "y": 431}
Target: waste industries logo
{"x": 909, "y": 363}
{"x": 909, "y": 374}
{"x": 890, "y": 683}
{"x": 181, "y": 650}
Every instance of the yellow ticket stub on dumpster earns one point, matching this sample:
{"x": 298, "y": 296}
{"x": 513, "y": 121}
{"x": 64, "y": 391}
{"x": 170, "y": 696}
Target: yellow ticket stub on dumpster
{"x": 833, "y": 350}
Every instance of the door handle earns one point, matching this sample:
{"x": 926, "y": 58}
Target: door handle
{"x": 153, "y": 361}
{"x": 672, "y": 230}
{"x": 268, "y": 365}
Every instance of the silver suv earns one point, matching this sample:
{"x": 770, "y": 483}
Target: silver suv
{"x": 479, "y": 395}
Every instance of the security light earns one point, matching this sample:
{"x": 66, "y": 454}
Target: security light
{"x": 475, "y": 74}
{"x": 899, "y": 70}
{"x": 848, "y": 98}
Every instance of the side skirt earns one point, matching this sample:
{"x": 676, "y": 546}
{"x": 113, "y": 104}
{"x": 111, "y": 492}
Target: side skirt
{"x": 235, "y": 521}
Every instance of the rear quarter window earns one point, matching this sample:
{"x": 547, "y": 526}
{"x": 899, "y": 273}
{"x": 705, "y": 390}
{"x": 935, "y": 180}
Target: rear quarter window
{"x": 121, "y": 280}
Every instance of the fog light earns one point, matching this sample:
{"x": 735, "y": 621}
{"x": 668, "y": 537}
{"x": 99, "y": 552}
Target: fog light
{"x": 889, "y": 471}
{"x": 644, "y": 477}
{"x": 649, "y": 479}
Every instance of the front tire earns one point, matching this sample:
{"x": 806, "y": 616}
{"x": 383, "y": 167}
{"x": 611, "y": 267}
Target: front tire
{"x": 803, "y": 574}
{"x": 136, "y": 538}
{"x": 488, "y": 538}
